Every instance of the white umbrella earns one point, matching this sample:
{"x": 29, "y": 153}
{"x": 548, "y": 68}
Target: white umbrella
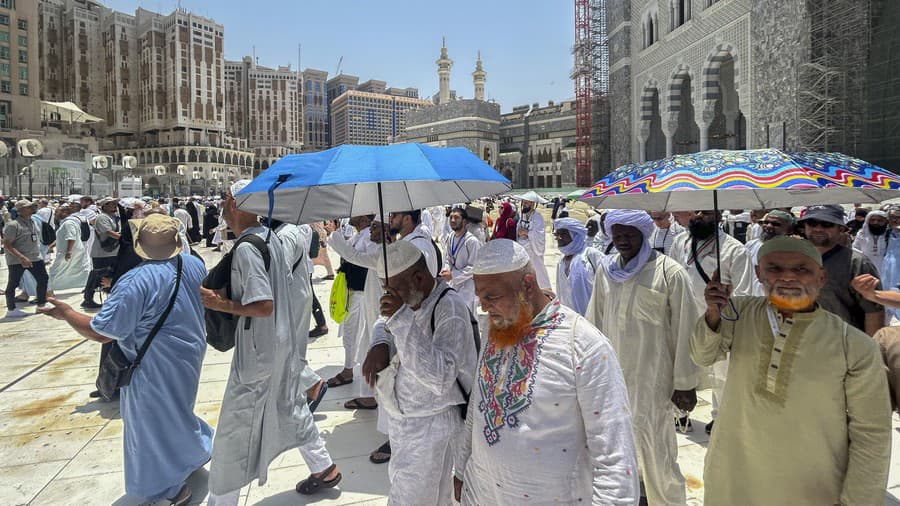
{"x": 531, "y": 196}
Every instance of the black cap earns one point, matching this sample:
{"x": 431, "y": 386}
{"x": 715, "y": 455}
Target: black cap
{"x": 832, "y": 213}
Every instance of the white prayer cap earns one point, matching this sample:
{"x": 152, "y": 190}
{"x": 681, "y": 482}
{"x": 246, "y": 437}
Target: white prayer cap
{"x": 238, "y": 186}
{"x": 499, "y": 256}
{"x": 401, "y": 255}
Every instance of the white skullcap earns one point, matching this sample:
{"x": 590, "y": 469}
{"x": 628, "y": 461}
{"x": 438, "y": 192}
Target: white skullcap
{"x": 238, "y": 186}
{"x": 499, "y": 256}
{"x": 401, "y": 255}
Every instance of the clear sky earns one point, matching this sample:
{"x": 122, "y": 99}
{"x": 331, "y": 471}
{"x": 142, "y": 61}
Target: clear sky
{"x": 525, "y": 44}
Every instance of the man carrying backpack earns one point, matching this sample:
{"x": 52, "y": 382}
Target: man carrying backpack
{"x": 428, "y": 379}
{"x": 104, "y": 248}
{"x": 264, "y": 411}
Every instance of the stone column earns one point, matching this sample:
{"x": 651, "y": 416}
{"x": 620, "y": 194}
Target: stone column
{"x": 643, "y": 136}
{"x": 669, "y": 129}
{"x": 730, "y": 128}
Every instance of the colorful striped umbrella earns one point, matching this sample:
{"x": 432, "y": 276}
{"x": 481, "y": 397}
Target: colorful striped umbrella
{"x": 751, "y": 179}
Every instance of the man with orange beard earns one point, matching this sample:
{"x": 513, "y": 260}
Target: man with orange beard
{"x": 806, "y": 418}
{"x": 548, "y": 419}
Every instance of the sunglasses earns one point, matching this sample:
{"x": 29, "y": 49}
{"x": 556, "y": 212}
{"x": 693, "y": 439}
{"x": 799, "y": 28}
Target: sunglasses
{"x": 772, "y": 223}
{"x": 817, "y": 223}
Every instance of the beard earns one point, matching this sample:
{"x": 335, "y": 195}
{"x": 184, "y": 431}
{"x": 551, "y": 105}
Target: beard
{"x": 789, "y": 298}
{"x": 509, "y": 332}
{"x": 416, "y": 297}
{"x": 877, "y": 230}
{"x": 766, "y": 235}
{"x": 457, "y": 228}
{"x": 526, "y": 209}
{"x": 394, "y": 230}
{"x": 701, "y": 229}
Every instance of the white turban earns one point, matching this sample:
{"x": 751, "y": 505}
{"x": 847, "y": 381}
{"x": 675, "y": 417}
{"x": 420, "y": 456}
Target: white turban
{"x": 238, "y": 186}
{"x": 499, "y": 256}
{"x": 401, "y": 255}
{"x": 631, "y": 218}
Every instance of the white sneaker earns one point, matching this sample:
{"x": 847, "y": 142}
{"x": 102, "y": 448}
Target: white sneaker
{"x": 17, "y": 313}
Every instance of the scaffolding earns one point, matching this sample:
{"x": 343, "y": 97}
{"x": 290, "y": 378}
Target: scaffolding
{"x": 882, "y": 122}
{"x": 831, "y": 84}
{"x": 591, "y": 76}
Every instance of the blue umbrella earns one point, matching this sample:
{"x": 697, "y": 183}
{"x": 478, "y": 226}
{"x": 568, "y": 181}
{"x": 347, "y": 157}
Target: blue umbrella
{"x": 357, "y": 180}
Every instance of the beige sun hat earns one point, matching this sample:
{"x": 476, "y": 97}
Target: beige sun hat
{"x": 156, "y": 237}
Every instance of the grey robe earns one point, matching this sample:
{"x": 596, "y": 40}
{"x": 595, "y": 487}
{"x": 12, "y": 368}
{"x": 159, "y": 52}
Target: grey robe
{"x": 264, "y": 411}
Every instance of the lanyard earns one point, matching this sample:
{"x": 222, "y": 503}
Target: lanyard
{"x": 454, "y": 249}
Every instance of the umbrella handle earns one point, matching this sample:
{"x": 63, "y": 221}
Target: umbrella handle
{"x": 281, "y": 179}
{"x": 383, "y": 240}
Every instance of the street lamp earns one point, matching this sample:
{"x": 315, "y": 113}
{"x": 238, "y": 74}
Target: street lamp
{"x": 31, "y": 149}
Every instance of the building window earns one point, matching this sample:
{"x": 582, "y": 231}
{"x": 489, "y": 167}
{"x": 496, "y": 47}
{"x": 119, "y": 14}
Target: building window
{"x": 4, "y": 86}
{"x": 679, "y": 13}
{"x": 5, "y": 110}
{"x": 8, "y": 4}
{"x": 4, "y": 36}
{"x": 23, "y": 24}
{"x": 4, "y": 69}
{"x": 4, "y": 20}
{"x": 23, "y": 89}
{"x": 23, "y": 56}
{"x": 4, "y": 53}
{"x": 23, "y": 73}
{"x": 23, "y": 40}
{"x": 709, "y": 3}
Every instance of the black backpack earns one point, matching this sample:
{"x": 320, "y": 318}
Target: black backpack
{"x": 464, "y": 408}
{"x": 440, "y": 257}
{"x": 48, "y": 233}
{"x": 222, "y": 327}
{"x": 85, "y": 230}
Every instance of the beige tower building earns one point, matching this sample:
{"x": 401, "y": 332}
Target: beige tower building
{"x": 19, "y": 104}
{"x": 264, "y": 106}
{"x": 375, "y": 119}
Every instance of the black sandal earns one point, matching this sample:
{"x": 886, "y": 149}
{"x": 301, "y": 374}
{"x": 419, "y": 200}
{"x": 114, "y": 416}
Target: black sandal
{"x": 314, "y": 484}
{"x": 183, "y": 497}
{"x": 383, "y": 449}
{"x": 339, "y": 380}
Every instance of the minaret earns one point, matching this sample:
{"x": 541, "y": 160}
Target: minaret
{"x": 478, "y": 77}
{"x": 444, "y": 63}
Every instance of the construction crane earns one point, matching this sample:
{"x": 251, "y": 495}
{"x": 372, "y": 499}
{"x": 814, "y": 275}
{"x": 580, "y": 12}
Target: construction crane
{"x": 340, "y": 61}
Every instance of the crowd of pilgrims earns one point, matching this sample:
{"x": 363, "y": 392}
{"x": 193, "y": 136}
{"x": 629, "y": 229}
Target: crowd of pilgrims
{"x": 492, "y": 385}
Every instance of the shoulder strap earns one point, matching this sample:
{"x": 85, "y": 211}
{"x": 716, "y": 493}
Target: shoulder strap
{"x": 260, "y": 245}
{"x": 162, "y": 319}
{"x": 700, "y": 270}
{"x": 434, "y": 308}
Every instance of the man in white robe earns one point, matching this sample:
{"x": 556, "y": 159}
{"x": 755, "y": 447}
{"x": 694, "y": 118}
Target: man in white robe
{"x": 295, "y": 241}
{"x": 575, "y": 270}
{"x": 530, "y": 234}
{"x": 773, "y": 224}
{"x": 264, "y": 410}
{"x": 357, "y": 322}
{"x": 422, "y": 387}
{"x": 873, "y": 238}
{"x": 665, "y": 230}
{"x": 71, "y": 266}
{"x": 438, "y": 222}
{"x": 642, "y": 301}
{"x": 698, "y": 246}
{"x": 460, "y": 251}
{"x": 548, "y": 419}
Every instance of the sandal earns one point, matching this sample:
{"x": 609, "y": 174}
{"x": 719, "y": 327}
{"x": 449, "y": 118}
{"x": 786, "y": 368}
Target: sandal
{"x": 384, "y": 449}
{"x": 357, "y": 404}
{"x": 329, "y": 277}
{"x": 183, "y": 497}
{"x": 314, "y": 403}
{"x": 315, "y": 483}
{"x": 340, "y": 380}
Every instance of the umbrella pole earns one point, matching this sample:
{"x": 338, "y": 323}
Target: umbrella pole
{"x": 716, "y": 214}
{"x": 383, "y": 238}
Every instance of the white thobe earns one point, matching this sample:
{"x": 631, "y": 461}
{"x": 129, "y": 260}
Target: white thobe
{"x": 752, "y": 250}
{"x": 549, "y": 421}
{"x": 649, "y": 320}
{"x": 264, "y": 409}
{"x": 421, "y": 238}
{"x": 754, "y": 232}
{"x": 574, "y": 287}
{"x": 535, "y": 244}
{"x": 872, "y": 246}
{"x": 459, "y": 258}
{"x": 737, "y": 271}
{"x": 430, "y": 366}
{"x": 184, "y": 217}
{"x": 295, "y": 253}
{"x": 72, "y": 273}
{"x": 477, "y": 230}
{"x": 438, "y": 219}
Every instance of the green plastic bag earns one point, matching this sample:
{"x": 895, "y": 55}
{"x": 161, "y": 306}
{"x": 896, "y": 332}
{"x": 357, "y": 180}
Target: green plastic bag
{"x": 339, "y": 298}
